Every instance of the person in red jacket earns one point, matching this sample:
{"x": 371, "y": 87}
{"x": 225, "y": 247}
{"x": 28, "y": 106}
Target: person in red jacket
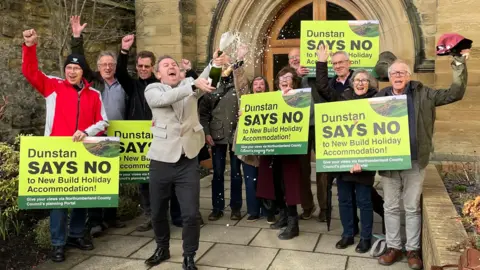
{"x": 73, "y": 109}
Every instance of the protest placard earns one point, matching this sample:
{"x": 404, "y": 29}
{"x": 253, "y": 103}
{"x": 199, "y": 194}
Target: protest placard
{"x": 56, "y": 172}
{"x": 371, "y": 132}
{"x": 360, "y": 39}
{"x": 274, "y": 123}
{"x": 135, "y": 140}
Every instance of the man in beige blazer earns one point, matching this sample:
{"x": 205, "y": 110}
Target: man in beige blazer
{"x": 177, "y": 140}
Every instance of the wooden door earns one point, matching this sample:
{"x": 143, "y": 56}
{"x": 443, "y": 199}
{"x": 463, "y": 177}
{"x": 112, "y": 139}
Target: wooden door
{"x": 284, "y": 34}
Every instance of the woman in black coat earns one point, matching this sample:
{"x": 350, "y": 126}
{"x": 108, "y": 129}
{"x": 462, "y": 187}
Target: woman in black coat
{"x": 356, "y": 181}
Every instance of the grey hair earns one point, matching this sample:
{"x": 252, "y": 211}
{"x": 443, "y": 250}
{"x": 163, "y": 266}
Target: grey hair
{"x": 344, "y": 53}
{"x": 398, "y": 61}
{"x": 163, "y": 57}
{"x": 372, "y": 82}
{"x": 107, "y": 53}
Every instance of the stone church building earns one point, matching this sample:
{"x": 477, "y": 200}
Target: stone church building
{"x": 409, "y": 28}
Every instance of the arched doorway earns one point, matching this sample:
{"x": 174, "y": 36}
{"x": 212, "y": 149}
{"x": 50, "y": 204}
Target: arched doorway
{"x": 284, "y": 34}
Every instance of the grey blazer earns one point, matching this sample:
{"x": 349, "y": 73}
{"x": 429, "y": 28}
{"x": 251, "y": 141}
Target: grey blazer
{"x": 175, "y": 125}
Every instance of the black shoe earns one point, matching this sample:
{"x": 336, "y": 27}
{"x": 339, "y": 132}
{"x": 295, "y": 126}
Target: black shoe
{"x": 189, "y": 263}
{"x": 236, "y": 215}
{"x": 145, "y": 226}
{"x": 271, "y": 219}
{"x": 344, "y": 242}
{"x": 252, "y": 218}
{"x": 322, "y": 216}
{"x": 58, "y": 254}
{"x": 308, "y": 213}
{"x": 363, "y": 246}
{"x": 215, "y": 215}
{"x": 292, "y": 229}
{"x": 281, "y": 222}
{"x": 160, "y": 255}
{"x": 80, "y": 243}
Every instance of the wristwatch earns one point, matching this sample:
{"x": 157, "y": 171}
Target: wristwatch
{"x": 194, "y": 88}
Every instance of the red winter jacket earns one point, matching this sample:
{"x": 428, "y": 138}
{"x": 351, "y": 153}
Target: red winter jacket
{"x": 67, "y": 109}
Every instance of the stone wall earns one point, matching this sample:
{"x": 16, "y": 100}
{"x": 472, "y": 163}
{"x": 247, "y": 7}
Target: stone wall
{"x": 25, "y": 111}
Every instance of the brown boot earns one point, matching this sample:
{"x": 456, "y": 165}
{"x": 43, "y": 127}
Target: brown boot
{"x": 414, "y": 260}
{"x": 308, "y": 213}
{"x": 390, "y": 257}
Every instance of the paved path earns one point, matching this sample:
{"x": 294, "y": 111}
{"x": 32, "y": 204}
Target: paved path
{"x": 227, "y": 244}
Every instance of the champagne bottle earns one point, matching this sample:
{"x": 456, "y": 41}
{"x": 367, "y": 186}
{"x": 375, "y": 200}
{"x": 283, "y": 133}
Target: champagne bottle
{"x": 215, "y": 73}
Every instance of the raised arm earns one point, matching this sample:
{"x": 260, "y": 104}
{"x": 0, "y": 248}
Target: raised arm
{"x": 76, "y": 43}
{"x": 321, "y": 81}
{"x": 189, "y": 72}
{"x": 458, "y": 86}
{"x": 121, "y": 73}
{"x": 44, "y": 85}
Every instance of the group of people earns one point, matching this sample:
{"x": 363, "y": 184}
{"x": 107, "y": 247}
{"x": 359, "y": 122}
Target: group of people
{"x": 188, "y": 113}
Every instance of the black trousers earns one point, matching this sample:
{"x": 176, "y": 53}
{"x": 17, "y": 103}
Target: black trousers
{"x": 144, "y": 190}
{"x": 184, "y": 177}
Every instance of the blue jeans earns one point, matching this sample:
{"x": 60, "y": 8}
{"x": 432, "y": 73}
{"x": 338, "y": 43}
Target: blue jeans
{"x": 58, "y": 225}
{"x": 219, "y": 153}
{"x": 250, "y": 174}
{"x": 364, "y": 202}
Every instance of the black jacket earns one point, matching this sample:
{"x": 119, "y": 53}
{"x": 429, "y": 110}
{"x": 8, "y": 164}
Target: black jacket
{"x": 326, "y": 91}
{"x": 137, "y": 107}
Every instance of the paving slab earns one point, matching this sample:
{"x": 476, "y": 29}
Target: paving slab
{"x": 103, "y": 263}
{"x": 177, "y": 266}
{"x": 227, "y": 234}
{"x": 239, "y": 257}
{"x": 269, "y": 238}
{"x": 176, "y": 250}
{"x": 289, "y": 259}
{"x": 261, "y": 223}
{"x": 372, "y": 264}
{"x": 115, "y": 245}
{"x": 129, "y": 228}
{"x": 71, "y": 260}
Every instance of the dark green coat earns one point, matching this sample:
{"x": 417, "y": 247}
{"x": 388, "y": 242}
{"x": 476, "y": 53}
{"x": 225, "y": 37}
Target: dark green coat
{"x": 425, "y": 102}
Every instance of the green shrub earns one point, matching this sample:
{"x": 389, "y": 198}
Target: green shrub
{"x": 128, "y": 208}
{"x": 42, "y": 233}
{"x": 9, "y": 159}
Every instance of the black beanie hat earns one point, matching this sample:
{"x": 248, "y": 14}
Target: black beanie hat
{"x": 76, "y": 59}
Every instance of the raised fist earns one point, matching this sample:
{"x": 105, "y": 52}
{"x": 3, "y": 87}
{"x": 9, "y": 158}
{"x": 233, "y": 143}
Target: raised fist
{"x": 127, "y": 42}
{"x": 187, "y": 65}
{"x": 30, "y": 37}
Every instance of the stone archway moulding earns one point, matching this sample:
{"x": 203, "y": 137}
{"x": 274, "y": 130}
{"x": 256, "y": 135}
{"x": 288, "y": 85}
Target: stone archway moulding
{"x": 400, "y": 32}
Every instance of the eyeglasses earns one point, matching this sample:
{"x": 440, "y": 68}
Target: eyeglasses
{"x": 104, "y": 65}
{"x": 362, "y": 81}
{"x": 144, "y": 66}
{"x": 339, "y": 62}
{"x": 398, "y": 73}
{"x": 285, "y": 78}
{"x": 294, "y": 57}
{"x": 74, "y": 68}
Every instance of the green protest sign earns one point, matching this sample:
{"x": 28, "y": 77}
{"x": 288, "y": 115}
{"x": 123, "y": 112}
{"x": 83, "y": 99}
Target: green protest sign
{"x": 371, "y": 132}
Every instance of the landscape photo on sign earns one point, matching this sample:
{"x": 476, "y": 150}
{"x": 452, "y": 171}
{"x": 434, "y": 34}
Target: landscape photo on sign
{"x": 108, "y": 147}
{"x": 298, "y": 98}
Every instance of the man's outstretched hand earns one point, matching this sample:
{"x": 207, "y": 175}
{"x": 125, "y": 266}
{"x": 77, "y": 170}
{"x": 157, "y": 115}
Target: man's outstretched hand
{"x": 77, "y": 28}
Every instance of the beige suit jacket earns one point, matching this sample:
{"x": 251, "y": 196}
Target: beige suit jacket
{"x": 175, "y": 125}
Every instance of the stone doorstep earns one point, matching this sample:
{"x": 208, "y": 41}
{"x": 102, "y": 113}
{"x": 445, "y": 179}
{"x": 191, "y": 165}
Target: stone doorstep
{"x": 439, "y": 229}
